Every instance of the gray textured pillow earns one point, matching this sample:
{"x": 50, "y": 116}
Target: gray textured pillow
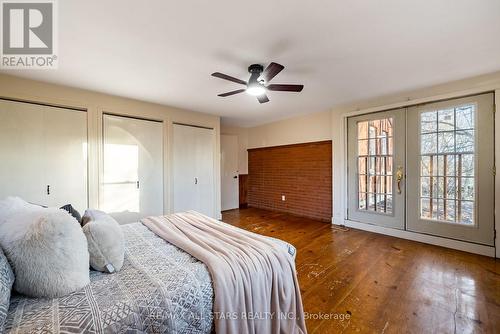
{"x": 47, "y": 250}
{"x": 6, "y": 281}
{"x": 105, "y": 241}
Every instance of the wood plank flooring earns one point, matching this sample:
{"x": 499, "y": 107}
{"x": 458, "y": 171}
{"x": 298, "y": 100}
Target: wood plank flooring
{"x": 385, "y": 284}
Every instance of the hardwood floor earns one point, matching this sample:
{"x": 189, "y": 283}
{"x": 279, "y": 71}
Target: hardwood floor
{"x": 385, "y": 284}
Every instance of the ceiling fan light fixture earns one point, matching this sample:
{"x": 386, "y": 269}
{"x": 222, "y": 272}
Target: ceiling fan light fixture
{"x": 255, "y": 90}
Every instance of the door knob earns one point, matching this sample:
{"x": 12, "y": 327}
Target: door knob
{"x": 399, "y": 178}
{"x": 235, "y": 177}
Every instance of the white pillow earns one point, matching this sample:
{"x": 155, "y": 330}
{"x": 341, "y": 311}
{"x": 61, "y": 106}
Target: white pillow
{"x": 46, "y": 247}
{"x": 105, "y": 239}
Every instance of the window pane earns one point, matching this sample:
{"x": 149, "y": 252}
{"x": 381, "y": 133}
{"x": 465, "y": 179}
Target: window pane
{"x": 362, "y": 147}
{"x": 428, "y": 122}
{"x": 425, "y": 165}
{"x": 439, "y": 187}
{"x": 451, "y": 188}
{"x": 389, "y": 203}
{"x": 362, "y": 201}
{"x": 381, "y": 203}
{"x": 440, "y": 209}
{"x": 467, "y": 210}
{"x": 467, "y": 188}
{"x": 362, "y": 165}
{"x": 467, "y": 164}
{"x": 362, "y": 130}
{"x": 446, "y": 120}
{"x": 429, "y": 143}
{"x": 450, "y": 211}
{"x": 371, "y": 202}
{"x": 450, "y": 165}
{"x": 465, "y": 141}
{"x": 362, "y": 183}
{"x": 425, "y": 186}
{"x": 446, "y": 142}
{"x": 465, "y": 117}
{"x": 425, "y": 208}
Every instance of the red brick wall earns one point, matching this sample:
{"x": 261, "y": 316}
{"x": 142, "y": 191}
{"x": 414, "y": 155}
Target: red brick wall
{"x": 302, "y": 172}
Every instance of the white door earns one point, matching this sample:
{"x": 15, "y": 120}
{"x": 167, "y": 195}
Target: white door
{"x": 132, "y": 179}
{"x": 376, "y": 150}
{"x": 65, "y": 150}
{"x": 450, "y": 169}
{"x": 229, "y": 172}
{"x": 193, "y": 169}
{"x": 44, "y": 154}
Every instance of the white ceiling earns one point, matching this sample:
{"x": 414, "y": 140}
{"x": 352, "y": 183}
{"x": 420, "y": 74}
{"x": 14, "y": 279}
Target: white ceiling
{"x": 342, "y": 51}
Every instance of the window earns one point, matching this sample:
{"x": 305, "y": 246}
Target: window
{"x": 447, "y": 179}
{"x": 375, "y": 165}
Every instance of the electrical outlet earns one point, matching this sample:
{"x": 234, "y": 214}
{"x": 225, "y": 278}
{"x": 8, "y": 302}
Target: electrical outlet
{"x": 283, "y": 198}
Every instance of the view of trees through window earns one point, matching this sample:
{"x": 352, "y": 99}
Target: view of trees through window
{"x": 447, "y": 183}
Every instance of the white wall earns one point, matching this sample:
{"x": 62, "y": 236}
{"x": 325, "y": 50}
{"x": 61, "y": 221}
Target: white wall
{"x": 96, "y": 104}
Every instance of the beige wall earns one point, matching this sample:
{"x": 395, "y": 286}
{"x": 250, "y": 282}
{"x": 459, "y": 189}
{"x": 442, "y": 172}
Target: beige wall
{"x": 309, "y": 128}
{"x": 242, "y": 134}
{"x": 96, "y": 104}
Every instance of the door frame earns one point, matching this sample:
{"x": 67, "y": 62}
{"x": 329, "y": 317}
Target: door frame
{"x": 234, "y": 137}
{"x": 492, "y": 251}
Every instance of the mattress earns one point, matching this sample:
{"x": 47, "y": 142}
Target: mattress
{"x": 160, "y": 289}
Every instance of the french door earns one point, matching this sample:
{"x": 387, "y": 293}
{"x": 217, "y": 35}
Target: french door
{"x": 427, "y": 169}
{"x": 450, "y": 169}
{"x": 376, "y": 147}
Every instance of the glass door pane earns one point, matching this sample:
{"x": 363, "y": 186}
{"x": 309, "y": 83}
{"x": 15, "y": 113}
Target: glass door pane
{"x": 450, "y": 161}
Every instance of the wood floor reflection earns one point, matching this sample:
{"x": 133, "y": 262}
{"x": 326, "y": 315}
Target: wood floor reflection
{"x": 385, "y": 284}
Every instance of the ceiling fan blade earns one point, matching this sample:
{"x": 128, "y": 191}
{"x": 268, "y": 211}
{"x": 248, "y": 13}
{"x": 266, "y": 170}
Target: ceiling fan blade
{"x": 232, "y": 93}
{"x": 262, "y": 98}
{"x": 227, "y": 77}
{"x": 286, "y": 88}
{"x": 271, "y": 71}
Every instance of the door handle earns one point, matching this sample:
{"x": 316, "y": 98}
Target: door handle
{"x": 48, "y": 189}
{"x": 399, "y": 178}
{"x": 195, "y": 180}
{"x": 235, "y": 177}
{"x": 138, "y": 184}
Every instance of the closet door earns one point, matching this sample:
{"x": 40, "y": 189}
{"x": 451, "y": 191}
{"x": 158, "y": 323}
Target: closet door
{"x": 22, "y": 151}
{"x": 44, "y": 154}
{"x": 132, "y": 180}
{"x": 65, "y": 153}
{"x": 193, "y": 169}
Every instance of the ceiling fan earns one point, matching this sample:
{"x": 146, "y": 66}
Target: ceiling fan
{"x": 258, "y": 84}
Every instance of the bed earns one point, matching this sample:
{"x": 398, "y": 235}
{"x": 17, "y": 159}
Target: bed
{"x": 160, "y": 289}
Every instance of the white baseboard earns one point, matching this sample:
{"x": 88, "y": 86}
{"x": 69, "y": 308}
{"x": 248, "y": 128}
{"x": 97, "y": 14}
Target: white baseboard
{"x": 428, "y": 239}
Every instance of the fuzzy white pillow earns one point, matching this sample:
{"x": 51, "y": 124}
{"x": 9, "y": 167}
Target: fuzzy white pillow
{"x": 105, "y": 241}
{"x": 46, "y": 247}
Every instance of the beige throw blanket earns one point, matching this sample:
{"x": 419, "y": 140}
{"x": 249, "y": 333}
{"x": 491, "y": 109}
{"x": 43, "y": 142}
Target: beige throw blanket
{"x": 255, "y": 283}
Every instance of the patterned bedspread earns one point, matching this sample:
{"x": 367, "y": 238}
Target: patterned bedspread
{"x": 160, "y": 289}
